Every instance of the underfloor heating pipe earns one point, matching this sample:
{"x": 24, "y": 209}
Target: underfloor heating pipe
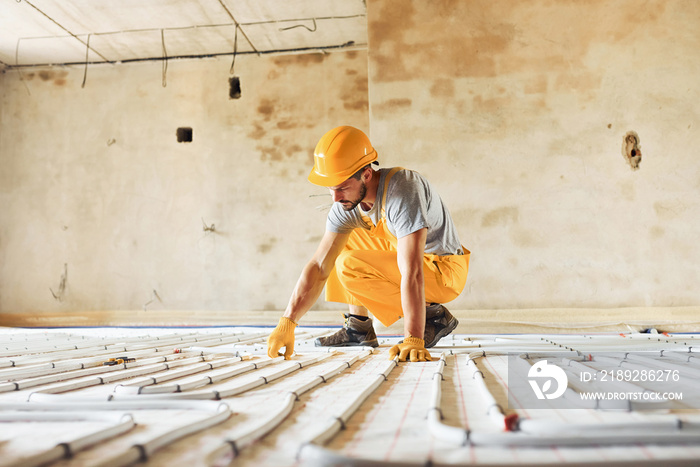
{"x": 52, "y": 368}
{"x": 572, "y": 394}
{"x": 90, "y": 361}
{"x": 92, "y": 342}
{"x": 120, "y": 423}
{"x": 55, "y": 359}
{"x": 314, "y": 454}
{"x": 233, "y": 446}
{"x": 617, "y": 344}
{"x": 641, "y": 362}
{"x": 170, "y": 374}
{"x": 438, "y": 430}
{"x": 259, "y": 346}
{"x": 213, "y": 395}
{"x": 317, "y": 456}
{"x": 576, "y": 387}
{"x": 49, "y": 355}
{"x": 339, "y": 421}
{"x": 493, "y": 408}
{"x": 203, "y": 380}
{"x": 359, "y": 348}
{"x": 527, "y": 432}
{"x": 687, "y": 357}
{"x": 289, "y": 367}
{"x": 142, "y": 357}
{"x": 152, "y": 364}
{"x": 87, "y": 358}
{"x": 98, "y": 376}
{"x": 217, "y": 412}
{"x": 56, "y": 344}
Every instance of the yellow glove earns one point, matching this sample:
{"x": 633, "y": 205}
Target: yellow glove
{"x": 282, "y": 336}
{"x": 412, "y": 349}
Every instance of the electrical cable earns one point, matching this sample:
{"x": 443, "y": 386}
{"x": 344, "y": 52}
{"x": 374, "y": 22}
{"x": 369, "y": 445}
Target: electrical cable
{"x": 235, "y": 50}
{"x": 87, "y": 51}
{"x": 165, "y": 58}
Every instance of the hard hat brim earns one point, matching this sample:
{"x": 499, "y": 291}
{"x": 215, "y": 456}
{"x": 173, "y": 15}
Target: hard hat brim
{"x": 336, "y": 179}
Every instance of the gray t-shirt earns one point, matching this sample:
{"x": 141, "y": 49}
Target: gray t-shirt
{"x": 411, "y": 204}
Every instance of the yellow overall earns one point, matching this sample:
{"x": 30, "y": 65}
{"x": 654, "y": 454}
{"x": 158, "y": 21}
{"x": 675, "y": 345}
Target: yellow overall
{"x": 366, "y": 272}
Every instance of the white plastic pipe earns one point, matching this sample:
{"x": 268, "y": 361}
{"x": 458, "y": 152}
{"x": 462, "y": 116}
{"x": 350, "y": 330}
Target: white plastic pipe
{"x": 449, "y": 434}
{"x": 144, "y": 385}
{"x": 143, "y": 450}
{"x": 338, "y": 421}
{"x": 88, "y": 361}
{"x": 83, "y": 342}
{"x": 217, "y": 412}
{"x": 119, "y": 423}
{"x": 235, "y": 445}
{"x": 288, "y": 367}
{"x": 54, "y": 358}
{"x": 118, "y": 372}
{"x": 576, "y": 387}
{"x": 493, "y": 408}
{"x": 548, "y": 433}
{"x": 209, "y": 378}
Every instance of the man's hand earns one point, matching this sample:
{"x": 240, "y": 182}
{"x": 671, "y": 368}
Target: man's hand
{"x": 412, "y": 349}
{"x": 282, "y": 336}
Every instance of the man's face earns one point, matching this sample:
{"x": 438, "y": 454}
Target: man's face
{"x": 349, "y": 194}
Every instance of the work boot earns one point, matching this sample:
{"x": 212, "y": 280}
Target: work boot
{"x": 439, "y": 322}
{"x": 354, "y": 332}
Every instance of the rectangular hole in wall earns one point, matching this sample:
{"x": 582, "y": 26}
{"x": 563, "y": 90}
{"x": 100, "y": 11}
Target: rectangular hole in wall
{"x": 184, "y": 135}
{"x": 234, "y": 91}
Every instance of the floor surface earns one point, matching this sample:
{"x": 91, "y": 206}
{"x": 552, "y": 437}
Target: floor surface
{"x": 211, "y": 396}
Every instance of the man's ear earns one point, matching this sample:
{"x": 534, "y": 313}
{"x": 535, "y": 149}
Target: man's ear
{"x": 366, "y": 174}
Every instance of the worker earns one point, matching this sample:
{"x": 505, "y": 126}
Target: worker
{"x": 390, "y": 247}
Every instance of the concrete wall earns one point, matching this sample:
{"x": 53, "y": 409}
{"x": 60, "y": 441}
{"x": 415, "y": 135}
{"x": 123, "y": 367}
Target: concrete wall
{"x": 518, "y": 110}
{"x": 95, "y": 180}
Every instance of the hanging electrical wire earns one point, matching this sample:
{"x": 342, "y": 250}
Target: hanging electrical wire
{"x": 21, "y": 76}
{"x": 87, "y": 51}
{"x": 230, "y": 15}
{"x": 301, "y": 26}
{"x": 235, "y": 49}
{"x": 165, "y": 57}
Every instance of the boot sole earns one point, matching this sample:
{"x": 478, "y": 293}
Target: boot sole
{"x": 372, "y": 343}
{"x": 451, "y": 325}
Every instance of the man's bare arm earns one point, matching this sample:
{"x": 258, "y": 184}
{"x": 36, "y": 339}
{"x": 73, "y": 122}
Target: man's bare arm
{"x": 314, "y": 275}
{"x": 411, "y": 249}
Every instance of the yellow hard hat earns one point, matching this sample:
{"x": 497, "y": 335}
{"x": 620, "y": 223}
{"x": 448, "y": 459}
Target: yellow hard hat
{"x": 339, "y": 154}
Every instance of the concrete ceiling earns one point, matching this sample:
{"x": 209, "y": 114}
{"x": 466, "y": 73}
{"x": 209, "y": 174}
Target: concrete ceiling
{"x": 50, "y": 32}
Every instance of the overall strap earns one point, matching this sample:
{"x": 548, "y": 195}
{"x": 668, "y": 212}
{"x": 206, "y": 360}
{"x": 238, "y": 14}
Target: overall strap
{"x": 386, "y": 186}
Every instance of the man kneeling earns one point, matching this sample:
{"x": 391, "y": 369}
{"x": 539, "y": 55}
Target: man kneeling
{"x": 390, "y": 247}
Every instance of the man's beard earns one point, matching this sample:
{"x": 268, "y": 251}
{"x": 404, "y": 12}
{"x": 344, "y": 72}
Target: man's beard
{"x": 353, "y": 204}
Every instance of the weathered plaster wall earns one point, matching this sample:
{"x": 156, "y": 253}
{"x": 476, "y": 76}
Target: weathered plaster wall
{"x": 94, "y": 179}
{"x": 517, "y": 111}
